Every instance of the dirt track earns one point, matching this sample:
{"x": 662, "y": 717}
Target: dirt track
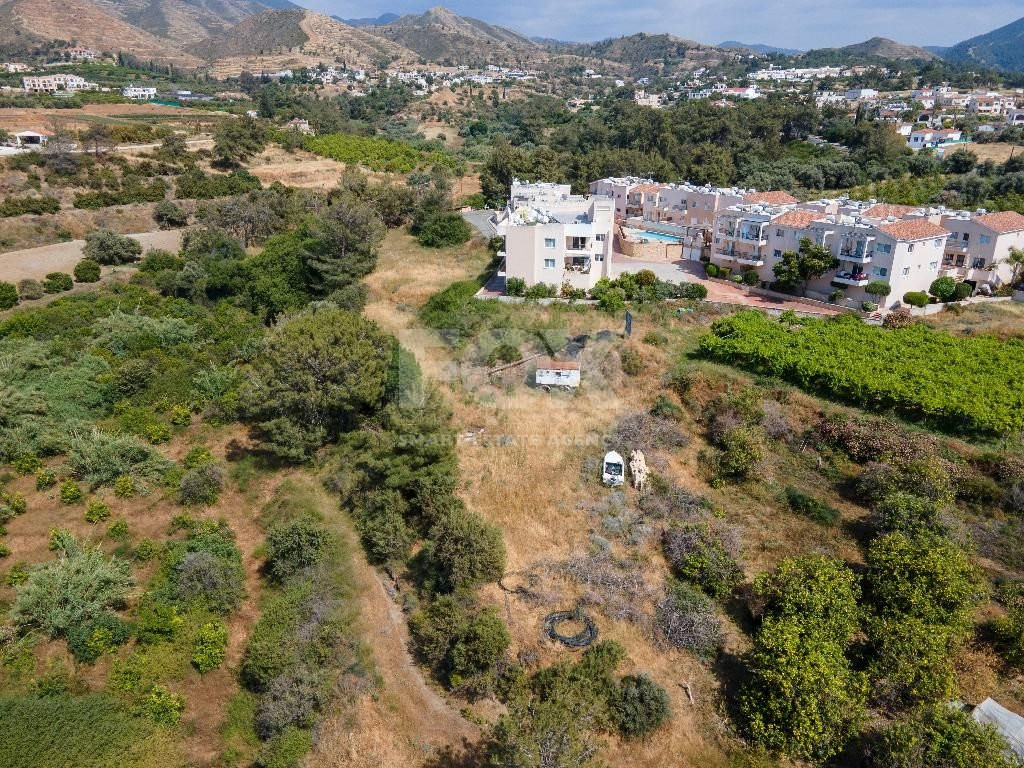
{"x": 61, "y": 257}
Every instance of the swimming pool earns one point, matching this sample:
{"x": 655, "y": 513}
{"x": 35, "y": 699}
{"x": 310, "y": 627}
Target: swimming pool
{"x": 642, "y": 234}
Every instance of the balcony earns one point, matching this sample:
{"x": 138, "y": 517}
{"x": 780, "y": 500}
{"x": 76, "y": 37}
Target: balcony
{"x": 579, "y": 264}
{"x": 742, "y": 257}
{"x": 850, "y": 278}
{"x": 856, "y": 257}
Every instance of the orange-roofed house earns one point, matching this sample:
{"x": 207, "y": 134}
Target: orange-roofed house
{"x": 979, "y": 245}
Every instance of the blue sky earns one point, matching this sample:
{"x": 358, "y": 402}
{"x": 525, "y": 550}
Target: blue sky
{"x": 793, "y": 24}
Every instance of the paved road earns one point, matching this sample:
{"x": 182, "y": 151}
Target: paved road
{"x": 62, "y": 257}
{"x": 481, "y": 222}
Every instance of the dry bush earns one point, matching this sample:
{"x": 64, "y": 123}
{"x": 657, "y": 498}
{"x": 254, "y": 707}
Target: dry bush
{"x": 686, "y": 619}
{"x": 616, "y": 585}
{"x": 667, "y": 501}
{"x": 775, "y": 422}
{"x": 645, "y": 432}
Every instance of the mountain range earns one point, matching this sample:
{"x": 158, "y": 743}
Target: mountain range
{"x": 227, "y": 36}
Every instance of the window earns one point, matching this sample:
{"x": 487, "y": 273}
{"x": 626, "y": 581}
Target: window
{"x": 600, "y": 237}
{"x": 933, "y": 265}
{"x": 879, "y": 271}
{"x": 777, "y": 254}
{"x": 883, "y": 248}
{"x": 978, "y": 264}
{"x": 577, "y": 243}
{"x": 549, "y": 263}
{"x": 780, "y": 233}
{"x": 906, "y": 270}
{"x": 910, "y": 248}
{"x": 967, "y": 237}
{"x": 985, "y": 239}
{"x": 549, "y": 242}
{"x": 954, "y": 236}
{"x": 938, "y": 242}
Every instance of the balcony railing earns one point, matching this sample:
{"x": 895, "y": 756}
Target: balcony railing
{"x": 861, "y": 257}
{"x": 743, "y": 257}
{"x": 852, "y": 279}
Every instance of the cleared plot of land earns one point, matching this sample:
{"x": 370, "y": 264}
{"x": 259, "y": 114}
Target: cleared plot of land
{"x": 62, "y": 257}
{"x": 997, "y": 152}
{"x": 1004, "y": 319}
{"x": 21, "y": 232}
{"x": 34, "y": 119}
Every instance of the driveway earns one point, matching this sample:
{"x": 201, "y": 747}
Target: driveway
{"x": 36, "y": 263}
{"x": 722, "y": 293}
{"x": 481, "y": 222}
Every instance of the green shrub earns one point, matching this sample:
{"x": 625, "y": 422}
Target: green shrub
{"x": 515, "y": 286}
{"x": 711, "y": 270}
{"x": 30, "y": 290}
{"x": 942, "y": 288}
{"x": 655, "y": 339}
{"x": 92, "y": 639}
{"x": 211, "y": 645}
{"x": 287, "y": 749}
{"x": 697, "y": 553}
{"x": 541, "y": 291}
{"x": 124, "y": 486}
{"x": 869, "y": 306}
{"x": 201, "y": 485}
{"x": 118, "y": 530}
{"x": 157, "y": 432}
{"x": 181, "y": 415}
{"x": 639, "y": 707}
{"x": 467, "y": 550}
{"x": 21, "y": 206}
{"x": 443, "y": 230}
{"x": 5, "y": 551}
{"x": 632, "y": 361}
{"x": 962, "y": 291}
{"x": 45, "y": 479}
{"x": 27, "y": 463}
{"x": 751, "y": 277}
{"x": 57, "y": 282}
{"x": 737, "y": 278}
{"x": 8, "y": 295}
{"x": 383, "y": 530}
{"x": 941, "y": 736}
{"x": 17, "y": 575}
{"x": 158, "y": 260}
{"x": 100, "y": 458}
{"x": 70, "y": 492}
{"x": 197, "y": 456}
{"x": 169, "y": 215}
{"x": 96, "y": 511}
{"x": 296, "y": 547}
{"x": 696, "y": 291}
{"x": 87, "y": 271}
{"x": 62, "y": 594}
{"x": 503, "y": 353}
{"x": 164, "y": 706}
{"x": 664, "y": 408}
{"x": 111, "y": 249}
{"x": 157, "y": 622}
{"x": 916, "y": 299}
{"x": 146, "y": 550}
{"x": 479, "y": 648}
{"x": 807, "y": 505}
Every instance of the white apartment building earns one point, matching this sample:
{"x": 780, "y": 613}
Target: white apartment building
{"x": 57, "y": 82}
{"x": 556, "y": 238}
{"x": 14, "y": 67}
{"x": 82, "y": 54}
{"x": 869, "y": 242}
{"x": 860, "y": 94}
{"x": 979, "y": 243}
{"x": 138, "y": 92}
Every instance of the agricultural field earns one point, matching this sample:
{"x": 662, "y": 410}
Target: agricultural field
{"x": 375, "y": 154}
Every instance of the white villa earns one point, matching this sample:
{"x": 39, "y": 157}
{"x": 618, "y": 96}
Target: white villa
{"x": 138, "y": 92}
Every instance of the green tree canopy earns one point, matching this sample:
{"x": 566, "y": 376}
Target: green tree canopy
{"x": 797, "y": 268}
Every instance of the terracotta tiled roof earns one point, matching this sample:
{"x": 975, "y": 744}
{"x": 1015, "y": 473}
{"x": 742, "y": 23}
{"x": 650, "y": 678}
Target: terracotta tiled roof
{"x": 645, "y": 188}
{"x": 770, "y": 198}
{"x": 1003, "y": 222}
{"x": 798, "y": 219}
{"x": 913, "y": 229}
{"x": 885, "y": 210}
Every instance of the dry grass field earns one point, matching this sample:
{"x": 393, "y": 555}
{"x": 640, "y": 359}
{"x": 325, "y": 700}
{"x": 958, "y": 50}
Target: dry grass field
{"x": 996, "y": 152}
{"x": 1004, "y": 319}
{"x": 35, "y": 119}
{"x": 528, "y": 461}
